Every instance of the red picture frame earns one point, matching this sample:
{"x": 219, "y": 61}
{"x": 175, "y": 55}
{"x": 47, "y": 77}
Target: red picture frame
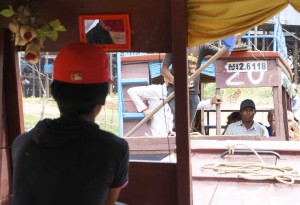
{"x": 108, "y": 31}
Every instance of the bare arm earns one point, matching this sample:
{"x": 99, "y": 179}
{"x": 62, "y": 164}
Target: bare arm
{"x": 135, "y": 94}
{"x": 112, "y": 196}
{"x": 207, "y": 104}
{"x": 168, "y": 77}
{"x": 217, "y": 100}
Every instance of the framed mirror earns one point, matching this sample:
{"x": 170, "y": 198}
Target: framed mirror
{"x": 109, "y": 31}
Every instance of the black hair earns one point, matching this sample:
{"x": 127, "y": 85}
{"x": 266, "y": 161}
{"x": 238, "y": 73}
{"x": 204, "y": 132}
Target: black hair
{"x": 231, "y": 118}
{"x": 270, "y": 113}
{"x": 234, "y": 117}
{"x": 98, "y": 35}
{"x": 74, "y": 100}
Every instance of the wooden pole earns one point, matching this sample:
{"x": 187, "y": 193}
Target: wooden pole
{"x": 46, "y": 77}
{"x": 295, "y": 57}
{"x": 33, "y": 82}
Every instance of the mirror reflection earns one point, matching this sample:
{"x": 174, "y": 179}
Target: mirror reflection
{"x": 105, "y": 31}
{"x": 109, "y": 31}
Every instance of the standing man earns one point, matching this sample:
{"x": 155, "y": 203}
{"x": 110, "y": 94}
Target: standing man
{"x": 70, "y": 160}
{"x": 247, "y": 126}
{"x": 162, "y": 120}
{"x": 195, "y": 55}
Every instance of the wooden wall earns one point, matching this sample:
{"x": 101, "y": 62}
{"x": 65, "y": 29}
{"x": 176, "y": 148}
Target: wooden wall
{"x": 150, "y": 183}
{"x": 150, "y": 20}
{"x": 11, "y": 112}
{"x": 151, "y": 32}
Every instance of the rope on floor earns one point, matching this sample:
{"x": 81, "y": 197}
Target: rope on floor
{"x": 193, "y": 134}
{"x": 254, "y": 170}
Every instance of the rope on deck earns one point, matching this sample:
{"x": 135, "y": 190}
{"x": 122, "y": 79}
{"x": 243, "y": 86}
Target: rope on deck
{"x": 254, "y": 170}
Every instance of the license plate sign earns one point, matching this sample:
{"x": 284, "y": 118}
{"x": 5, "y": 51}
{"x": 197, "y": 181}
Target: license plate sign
{"x": 246, "y": 66}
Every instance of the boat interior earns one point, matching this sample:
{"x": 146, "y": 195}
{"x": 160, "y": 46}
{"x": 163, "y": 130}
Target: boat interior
{"x": 187, "y": 172}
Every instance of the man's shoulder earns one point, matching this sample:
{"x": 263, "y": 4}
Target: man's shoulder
{"x": 109, "y": 135}
{"x": 22, "y": 140}
{"x": 204, "y": 49}
{"x": 259, "y": 126}
{"x": 202, "y": 46}
{"x": 168, "y": 56}
{"x": 168, "y": 59}
{"x": 236, "y": 124}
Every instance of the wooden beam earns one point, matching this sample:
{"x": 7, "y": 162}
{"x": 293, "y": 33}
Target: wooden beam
{"x": 295, "y": 57}
{"x": 5, "y": 160}
{"x": 179, "y": 43}
{"x": 2, "y": 141}
{"x": 12, "y": 89}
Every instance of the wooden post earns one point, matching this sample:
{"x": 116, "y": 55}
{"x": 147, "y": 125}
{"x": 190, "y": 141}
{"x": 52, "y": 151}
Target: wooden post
{"x": 295, "y": 57}
{"x": 46, "y": 77}
{"x": 179, "y": 44}
{"x": 110, "y": 90}
{"x": 12, "y": 86}
{"x": 33, "y": 82}
{"x": 202, "y": 110}
{"x": 255, "y": 39}
{"x": 218, "y": 114}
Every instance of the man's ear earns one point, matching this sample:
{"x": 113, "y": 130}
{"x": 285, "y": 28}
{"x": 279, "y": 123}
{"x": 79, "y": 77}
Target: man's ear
{"x": 97, "y": 109}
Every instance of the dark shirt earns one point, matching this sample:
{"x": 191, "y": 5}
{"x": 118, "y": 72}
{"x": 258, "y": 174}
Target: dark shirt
{"x": 200, "y": 52}
{"x": 66, "y": 161}
{"x": 97, "y": 35}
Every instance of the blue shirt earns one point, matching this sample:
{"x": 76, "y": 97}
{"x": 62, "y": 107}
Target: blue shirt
{"x": 237, "y": 128}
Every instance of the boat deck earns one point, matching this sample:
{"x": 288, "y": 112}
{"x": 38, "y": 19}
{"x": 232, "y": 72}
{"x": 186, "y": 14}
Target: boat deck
{"x": 210, "y": 188}
{"x": 215, "y": 189}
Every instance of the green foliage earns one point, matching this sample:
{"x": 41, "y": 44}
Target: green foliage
{"x": 22, "y": 17}
{"x": 51, "y": 30}
{"x": 56, "y": 25}
{"x": 261, "y": 95}
{"x": 7, "y": 12}
{"x": 210, "y": 90}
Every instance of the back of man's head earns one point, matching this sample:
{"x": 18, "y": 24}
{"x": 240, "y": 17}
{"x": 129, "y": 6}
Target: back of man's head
{"x": 80, "y": 78}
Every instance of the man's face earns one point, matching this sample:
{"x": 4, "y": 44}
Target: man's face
{"x": 247, "y": 114}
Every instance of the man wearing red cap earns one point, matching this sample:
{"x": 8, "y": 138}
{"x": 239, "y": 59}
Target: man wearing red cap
{"x": 70, "y": 160}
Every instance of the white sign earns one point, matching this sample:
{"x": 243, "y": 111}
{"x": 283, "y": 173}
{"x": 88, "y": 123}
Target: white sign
{"x": 246, "y": 66}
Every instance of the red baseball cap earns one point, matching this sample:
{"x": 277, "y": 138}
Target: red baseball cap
{"x": 81, "y": 63}
{"x": 112, "y": 25}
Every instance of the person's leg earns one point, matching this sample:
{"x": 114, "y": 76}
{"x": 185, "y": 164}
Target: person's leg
{"x": 171, "y": 103}
{"x": 194, "y": 101}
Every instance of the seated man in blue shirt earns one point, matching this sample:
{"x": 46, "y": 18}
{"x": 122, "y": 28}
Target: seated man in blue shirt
{"x": 247, "y": 126}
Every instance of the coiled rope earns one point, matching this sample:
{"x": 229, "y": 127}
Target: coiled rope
{"x": 254, "y": 170}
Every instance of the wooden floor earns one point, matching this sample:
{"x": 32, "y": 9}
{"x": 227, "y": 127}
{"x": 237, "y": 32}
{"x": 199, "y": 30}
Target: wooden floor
{"x": 244, "y": 193}
{"x": 210, "y": 188}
